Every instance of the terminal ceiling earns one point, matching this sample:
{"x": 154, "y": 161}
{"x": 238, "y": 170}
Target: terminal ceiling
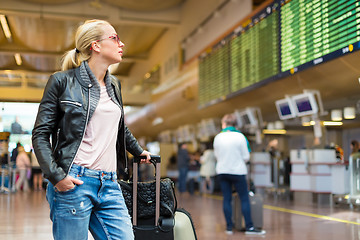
{"x": 42, "y": 30}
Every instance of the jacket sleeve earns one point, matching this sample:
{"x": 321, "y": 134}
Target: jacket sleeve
{"x": 45, "y": 126}
{"x": 132, "y": 145}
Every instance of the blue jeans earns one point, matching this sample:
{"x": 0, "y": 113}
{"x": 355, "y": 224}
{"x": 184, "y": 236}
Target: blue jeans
{"x": 96, "y": 205}
{"x": 240, "y": 184}
{"x": 183, "y": 171}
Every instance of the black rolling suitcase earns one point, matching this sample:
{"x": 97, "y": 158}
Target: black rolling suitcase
{"x": 156, "y": 228}
{"x": 256, "y": 206}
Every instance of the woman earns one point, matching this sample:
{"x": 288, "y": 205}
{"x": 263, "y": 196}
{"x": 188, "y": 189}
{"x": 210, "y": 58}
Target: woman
{"x": 82, "y": 111}
{"x": 207, "y": 170}
{"x": 23, "y": 166}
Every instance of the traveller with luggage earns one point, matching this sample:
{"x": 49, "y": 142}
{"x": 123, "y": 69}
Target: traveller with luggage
{"x": 83, "y": 114}
{"x": 231, "y": 151}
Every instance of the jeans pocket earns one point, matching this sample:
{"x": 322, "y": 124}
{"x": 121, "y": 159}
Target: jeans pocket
{"x": 67, "y": 191}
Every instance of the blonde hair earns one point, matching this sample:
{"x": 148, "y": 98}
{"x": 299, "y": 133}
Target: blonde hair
{"x": 87, "y": 33}
{"x": 21, "y": 149}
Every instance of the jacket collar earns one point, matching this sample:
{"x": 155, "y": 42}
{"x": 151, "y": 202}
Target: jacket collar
{"x": 81, "y": 81}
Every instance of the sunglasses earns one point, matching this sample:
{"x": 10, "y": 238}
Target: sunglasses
{"x": 115, "y": 38}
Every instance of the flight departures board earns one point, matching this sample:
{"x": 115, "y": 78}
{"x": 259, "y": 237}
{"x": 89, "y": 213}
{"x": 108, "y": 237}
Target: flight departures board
{"x": 281, "y": 39}
{"x": 311, "y": 30}
{"x": 243, "y": 58}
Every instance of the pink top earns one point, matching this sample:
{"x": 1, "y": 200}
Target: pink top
{"x": 22, "y": 160}
{"x": 98, "y": 148}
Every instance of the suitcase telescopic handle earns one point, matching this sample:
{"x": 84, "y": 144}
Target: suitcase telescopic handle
{"x": 155, "y": 160}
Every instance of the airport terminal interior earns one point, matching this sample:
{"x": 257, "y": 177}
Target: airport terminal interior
{"x": 288, "y": 70}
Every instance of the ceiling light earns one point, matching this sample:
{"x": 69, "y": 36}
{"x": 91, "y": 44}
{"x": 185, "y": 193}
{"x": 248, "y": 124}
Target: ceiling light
{"x": 5, "y": 27}
{"x": 147, "y": 75}
{"x": 349, "y": 112}
{"x": 276, "y": 131}
{"x": 18, "y": 59}
{"x": 336, "y": 115}
{"x": 329, "y": 123}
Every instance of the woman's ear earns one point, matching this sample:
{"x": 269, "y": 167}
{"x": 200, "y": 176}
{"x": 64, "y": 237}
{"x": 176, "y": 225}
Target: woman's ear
{"x": 95, "y": 46}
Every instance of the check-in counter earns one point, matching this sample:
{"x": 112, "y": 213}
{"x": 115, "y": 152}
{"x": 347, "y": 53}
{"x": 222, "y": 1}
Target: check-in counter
{"x": 318, "y": 171}
{"x": 261, "y": 169}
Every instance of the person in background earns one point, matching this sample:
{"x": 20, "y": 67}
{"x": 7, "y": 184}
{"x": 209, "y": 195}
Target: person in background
{"x": 183, "y": 160}
{"x": 207, "y": 170}
{"x": 36, "y": 172}
{"x": 16, "y": 128}
{"x": 354, "y": 146}
{"x": 23, "y": 166}
{"x": 232, "y": 153}
{"x": 14, "y": 153}
{"x": 355, "y": 150}
{"x": 82, "y": 110}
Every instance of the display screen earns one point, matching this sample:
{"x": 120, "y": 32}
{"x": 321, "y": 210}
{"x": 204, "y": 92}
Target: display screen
{"x": 281, "y": 39}
{"x": 285, "y": 109}
{"x": 255, "y": 51}
{"x": 303, "y": 105}
{"x": 246, "y": 119}
{"x": 313, "y": 29}
{"x": 214, "y": 74}
{"x": 237, "y": 61}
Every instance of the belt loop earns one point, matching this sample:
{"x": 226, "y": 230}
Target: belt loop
{"x": 82, "y": 170}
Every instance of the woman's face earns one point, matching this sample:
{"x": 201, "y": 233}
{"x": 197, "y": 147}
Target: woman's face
{"x": 111, "y": 48}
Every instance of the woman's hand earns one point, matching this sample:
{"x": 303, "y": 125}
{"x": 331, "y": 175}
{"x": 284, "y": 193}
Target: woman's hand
{"x": 148, "y": 157}
{"x": 67, "y": 184}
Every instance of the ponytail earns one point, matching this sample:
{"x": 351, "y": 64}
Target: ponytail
{"x": 70, "y": 60}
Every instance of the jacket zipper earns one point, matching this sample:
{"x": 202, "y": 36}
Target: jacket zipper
{"x": 87, "y": 118}
{"x": 126, "y": 170}
{"x": 75, "y": 103}
{"x": 57, "y": 139}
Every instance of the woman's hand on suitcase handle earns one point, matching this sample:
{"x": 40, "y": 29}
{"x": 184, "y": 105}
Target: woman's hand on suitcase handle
{"x": 148, "y": 157}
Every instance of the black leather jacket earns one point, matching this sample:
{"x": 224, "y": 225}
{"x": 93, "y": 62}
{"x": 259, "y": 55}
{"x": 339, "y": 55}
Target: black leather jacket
{"x": 63, "y": 115}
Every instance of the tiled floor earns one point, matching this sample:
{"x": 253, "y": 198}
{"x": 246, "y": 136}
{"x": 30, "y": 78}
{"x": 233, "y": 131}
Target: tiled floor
{"x": 26, "y": 216}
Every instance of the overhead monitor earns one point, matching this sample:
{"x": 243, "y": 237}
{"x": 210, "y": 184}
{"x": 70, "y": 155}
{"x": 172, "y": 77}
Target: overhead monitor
{"x": 285, "y": 108}
{"x": 305, "y": 104}
{"x": 246, "y": 118}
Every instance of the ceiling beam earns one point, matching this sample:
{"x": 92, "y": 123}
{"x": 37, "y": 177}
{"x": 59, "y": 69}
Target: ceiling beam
{"x": 81, "y": 11}
{"x": 10, "y": 52}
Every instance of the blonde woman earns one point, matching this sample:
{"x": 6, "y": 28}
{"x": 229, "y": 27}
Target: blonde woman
{"x": 82, "y": 111}
{"x": 22, "y": 165}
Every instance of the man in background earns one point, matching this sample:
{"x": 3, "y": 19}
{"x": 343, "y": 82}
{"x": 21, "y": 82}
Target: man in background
{"x": 183, "y": 159}
{"x": 232, "y": 153}
{"x": 16, "y": 128}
